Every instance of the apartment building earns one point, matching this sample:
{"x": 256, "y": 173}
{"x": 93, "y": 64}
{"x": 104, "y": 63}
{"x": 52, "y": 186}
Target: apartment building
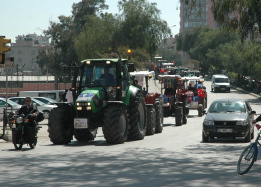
{"x": 200, "y": 14}
{"x": 25, "y": 51}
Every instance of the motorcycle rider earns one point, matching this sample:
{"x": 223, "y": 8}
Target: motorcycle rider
{"x": 29, "y": 108}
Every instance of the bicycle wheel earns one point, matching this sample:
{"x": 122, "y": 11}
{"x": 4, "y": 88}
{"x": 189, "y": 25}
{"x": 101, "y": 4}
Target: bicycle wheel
{"x": 246, "y": 159}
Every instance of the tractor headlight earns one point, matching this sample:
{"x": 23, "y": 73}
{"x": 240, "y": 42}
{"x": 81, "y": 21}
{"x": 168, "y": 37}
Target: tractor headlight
{"x": 19, "y": 120}
{"x": 79, "y": 108}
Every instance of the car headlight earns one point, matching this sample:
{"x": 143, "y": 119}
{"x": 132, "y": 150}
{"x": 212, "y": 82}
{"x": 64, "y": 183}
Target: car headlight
{"x": 208, "y": 122}
{"x": 242, "y": 122}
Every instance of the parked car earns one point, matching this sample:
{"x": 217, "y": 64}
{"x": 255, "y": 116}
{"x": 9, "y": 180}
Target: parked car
{"x": 42, "y": 107}
{"x": 46, "y": 100}
{"x": 10, "y": 105}
{"x": 229, "y": 118}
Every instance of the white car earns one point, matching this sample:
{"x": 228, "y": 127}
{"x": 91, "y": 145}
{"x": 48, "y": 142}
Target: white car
{"x": 42, "y": 107}
{"x": 46, "y": 100}
{"x": 9, "y": 105}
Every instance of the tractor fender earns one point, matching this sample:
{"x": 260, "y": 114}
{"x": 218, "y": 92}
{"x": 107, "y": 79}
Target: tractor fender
{"x": 68, "y": 106}
{"x": 131, "y": 95}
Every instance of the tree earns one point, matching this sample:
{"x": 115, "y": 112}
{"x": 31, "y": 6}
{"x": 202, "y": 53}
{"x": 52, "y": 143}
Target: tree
{"x": 141, "y": 25}
{"x": 243, "y": 16}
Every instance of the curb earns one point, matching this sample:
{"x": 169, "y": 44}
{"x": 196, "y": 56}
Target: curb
{"x": 244, "y": 91}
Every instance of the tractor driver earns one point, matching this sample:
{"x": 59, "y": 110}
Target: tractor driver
{"x": 108, "y": 77}
{"x": 169, "y": 90}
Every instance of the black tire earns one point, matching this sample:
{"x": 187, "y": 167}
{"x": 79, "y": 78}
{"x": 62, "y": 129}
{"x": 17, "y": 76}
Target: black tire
{"x": 178, "y": 116}
{"x": 159, "y": 117}
{"x": 185, "y": 120}
{"x": 115, "y": 128}
{"x": 151, "y": 121}
{"x": 246, "y": 159}
{"x": 248, "y": 137}
{"x": 200, "y": 108}
{"x": 85, "y": 134}
{"x": 18, "y": 146}
{"x": 17, "y": 139}
{"x": 60, "y": 125}
{"x": 204, "y": 138}
{"x": 33, "y": 144}
{"x": 184, "y": 104}
{"x": 137, "y": 118}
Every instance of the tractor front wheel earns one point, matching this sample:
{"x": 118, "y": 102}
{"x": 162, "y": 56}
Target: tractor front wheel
{"x": 159, "y": 117}
{"x": 115, "y": 128}
{"x": 60, "y": 125}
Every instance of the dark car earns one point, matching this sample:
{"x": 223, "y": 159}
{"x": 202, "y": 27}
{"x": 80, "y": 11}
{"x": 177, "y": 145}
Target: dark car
{"x": 229, "y": 118}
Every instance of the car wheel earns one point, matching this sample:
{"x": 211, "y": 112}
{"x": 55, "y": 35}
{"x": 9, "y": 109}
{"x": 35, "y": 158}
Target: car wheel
{"x": 204, "y": 138}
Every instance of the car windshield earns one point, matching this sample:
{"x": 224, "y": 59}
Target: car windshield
{"x": 45, "y": 100}
{"x": 99, "y": 75}
{"x": 221, "y": 80}
{"x": 224, "y": 107}
{"x": 3, "y": 102}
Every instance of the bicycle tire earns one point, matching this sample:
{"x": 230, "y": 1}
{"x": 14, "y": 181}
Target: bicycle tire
{"x": 249, "y": 156}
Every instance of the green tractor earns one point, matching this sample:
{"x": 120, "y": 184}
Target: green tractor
{"x": 103, "y": 97}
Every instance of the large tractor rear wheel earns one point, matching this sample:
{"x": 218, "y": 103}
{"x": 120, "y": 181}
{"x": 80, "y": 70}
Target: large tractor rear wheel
{"x": 159, "y": 117}
{"x": 85, "y": 134}
{"x": 151, "y": 120}
{"x": 138, "y": 118}
{"x": 60, "y": 125}
{"x": 115, "y": 128}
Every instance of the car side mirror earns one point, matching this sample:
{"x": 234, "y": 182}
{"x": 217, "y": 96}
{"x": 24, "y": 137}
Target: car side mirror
{"x": 204, "y": 112}
{"x": 253, "y": 112}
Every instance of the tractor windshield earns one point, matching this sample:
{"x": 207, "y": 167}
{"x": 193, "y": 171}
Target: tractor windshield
{"x": 98, "y": 75}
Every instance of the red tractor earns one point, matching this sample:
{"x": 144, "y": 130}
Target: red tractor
{"x": 196, "y": 93}
{"x": 175, "y": 101}
{"x": 153, "y": 101}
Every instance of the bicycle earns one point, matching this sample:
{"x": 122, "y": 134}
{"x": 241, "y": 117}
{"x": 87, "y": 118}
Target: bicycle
{"x": 249, "y": 155}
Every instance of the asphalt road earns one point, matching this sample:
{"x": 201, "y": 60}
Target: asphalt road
{"x": 175, "y": 157}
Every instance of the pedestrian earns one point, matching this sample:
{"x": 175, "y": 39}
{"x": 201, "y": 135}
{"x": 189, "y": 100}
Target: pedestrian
{"x": 69, "y": 96}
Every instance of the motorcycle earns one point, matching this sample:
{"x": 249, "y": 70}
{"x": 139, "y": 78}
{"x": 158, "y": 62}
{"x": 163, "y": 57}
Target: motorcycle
{"x": 25, "y": 129}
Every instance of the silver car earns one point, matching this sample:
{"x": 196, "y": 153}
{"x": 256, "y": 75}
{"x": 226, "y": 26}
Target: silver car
{"x": 42, "y": 107}
{"x": 229, "y": 118}
{"x": 9, "y": 105}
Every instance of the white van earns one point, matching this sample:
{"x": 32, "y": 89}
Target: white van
{"x": 53, "y": 94}
{"x": 220, "y": 83}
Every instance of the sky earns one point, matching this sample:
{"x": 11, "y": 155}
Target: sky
{"x": 22, "y": 17}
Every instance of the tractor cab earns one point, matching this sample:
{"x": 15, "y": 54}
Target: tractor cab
{"x": 196, "y": 93}
{"x": 174, "y": 100}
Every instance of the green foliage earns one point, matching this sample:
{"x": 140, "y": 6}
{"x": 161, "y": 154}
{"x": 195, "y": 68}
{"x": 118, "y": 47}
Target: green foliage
{"x": 170, "y": 55}
{"x": 240, "y": 15}
{"x": 141, "y": 25}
